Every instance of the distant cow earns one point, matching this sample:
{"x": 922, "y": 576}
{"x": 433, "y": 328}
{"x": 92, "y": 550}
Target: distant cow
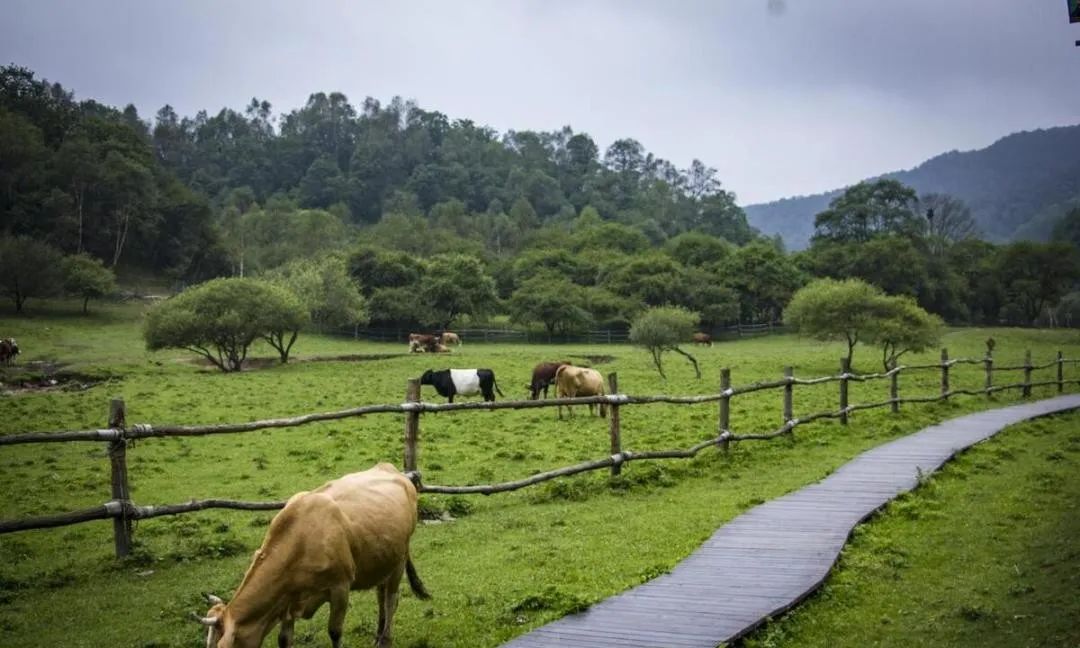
{"x": 449, "y": 337}
{"x": 574, "y": 382}
{"x": 466, "y": 382}
{"x": 8, "y": 350}
{"x": 349, "y": 534}
{"x": 703, "y": 338}
{"x": 422, "y": 342}
{"x": 543, "y": 375}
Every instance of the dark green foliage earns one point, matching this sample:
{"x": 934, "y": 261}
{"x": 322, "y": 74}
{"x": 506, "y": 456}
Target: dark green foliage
{"x": 1034, "y": 277}
{"x": 764, "y": 279}
{"x": 28, "y": 268}
{"x": 868, "y": 210}
{"x": 552, "y": 300}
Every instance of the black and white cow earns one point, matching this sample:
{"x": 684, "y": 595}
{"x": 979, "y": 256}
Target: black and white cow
{"x": 466, "y": 382}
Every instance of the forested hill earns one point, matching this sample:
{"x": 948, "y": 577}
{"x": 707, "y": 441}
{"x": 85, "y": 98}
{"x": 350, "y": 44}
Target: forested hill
{"x": 1016, "y": 188}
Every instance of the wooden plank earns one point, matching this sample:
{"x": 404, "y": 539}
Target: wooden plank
{"x": 774, "y": 555}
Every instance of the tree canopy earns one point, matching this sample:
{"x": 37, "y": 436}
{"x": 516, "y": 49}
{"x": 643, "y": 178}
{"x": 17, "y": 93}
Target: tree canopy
{"x": 831, "y": 309}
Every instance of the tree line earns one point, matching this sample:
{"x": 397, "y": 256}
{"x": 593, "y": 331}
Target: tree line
{"x": 403, "y": 216}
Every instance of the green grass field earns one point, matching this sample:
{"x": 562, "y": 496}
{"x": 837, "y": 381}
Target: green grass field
{"x": 506, "y": 563}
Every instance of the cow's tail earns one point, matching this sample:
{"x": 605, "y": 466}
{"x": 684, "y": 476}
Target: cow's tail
{"x": 414, "y": 581}
{"x": 495, "y": 384}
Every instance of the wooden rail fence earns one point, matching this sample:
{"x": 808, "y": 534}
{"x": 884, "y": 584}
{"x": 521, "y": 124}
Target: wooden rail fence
{"x": 119, "y": 435}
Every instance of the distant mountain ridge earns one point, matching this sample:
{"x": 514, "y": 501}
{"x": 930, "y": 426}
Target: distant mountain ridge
{"x": 1016, "y": 188}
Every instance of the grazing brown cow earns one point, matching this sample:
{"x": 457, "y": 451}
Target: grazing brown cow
{"x": 449, "y": 337}
{"x": 351, "y": 533}
{"x": 572, "y": 382}
{"x": 703, "y": 338}
{"x": 543, "y": 375}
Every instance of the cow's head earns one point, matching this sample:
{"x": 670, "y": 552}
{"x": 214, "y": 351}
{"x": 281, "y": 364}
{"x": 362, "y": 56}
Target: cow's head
{"x": 425, "y": 378}
{"x": 216, "y": 620}
{"x": 222, "y": 630}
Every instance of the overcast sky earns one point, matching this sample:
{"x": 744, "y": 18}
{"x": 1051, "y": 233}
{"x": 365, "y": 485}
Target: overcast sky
{"x": 782, "y": 97}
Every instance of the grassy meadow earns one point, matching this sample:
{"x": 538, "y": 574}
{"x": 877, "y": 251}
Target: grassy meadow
{"x": 496, "y": 565}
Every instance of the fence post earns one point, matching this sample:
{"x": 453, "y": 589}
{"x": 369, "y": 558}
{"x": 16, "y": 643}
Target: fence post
{"x": 1027, "y": 373}
{"x": 120, "y": 491}
{"x": 616, "y": 439}
{"x": 894, "y": 387}
{"x": 789, "y": 389}
{"x": 944, "y": 374}
{"x": 845, "y": 369}
{"x": 1061, "y": 372}
{"x": 989, "y": 361}
{"x": 412, "y": 424}
{"x": 725, "y": 405}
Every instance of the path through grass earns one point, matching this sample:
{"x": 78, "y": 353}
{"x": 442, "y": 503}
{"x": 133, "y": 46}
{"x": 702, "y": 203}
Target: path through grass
{"x": 985, "y": 553}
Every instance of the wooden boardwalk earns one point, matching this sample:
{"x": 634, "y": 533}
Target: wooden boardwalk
{"x": 770, "y": 558}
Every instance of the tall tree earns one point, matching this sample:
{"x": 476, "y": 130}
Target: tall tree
{"x": 866, "y": 210}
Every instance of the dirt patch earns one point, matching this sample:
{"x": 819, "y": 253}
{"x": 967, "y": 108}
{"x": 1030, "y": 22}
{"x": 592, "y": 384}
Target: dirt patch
{"x": 596, "y": 359}
{"x": 252, "y": 364}
{"x": 61, "y": 382}
{"x": 356, "y": 357}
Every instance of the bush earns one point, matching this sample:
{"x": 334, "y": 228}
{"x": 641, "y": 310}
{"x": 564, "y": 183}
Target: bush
{"x": 663, "y": 329}
{"x": 87, "y": 277}
{"x": 221, "y": 318}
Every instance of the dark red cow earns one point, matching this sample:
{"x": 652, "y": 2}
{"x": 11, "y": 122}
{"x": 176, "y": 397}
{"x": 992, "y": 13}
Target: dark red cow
{"x": 543, "y": 376}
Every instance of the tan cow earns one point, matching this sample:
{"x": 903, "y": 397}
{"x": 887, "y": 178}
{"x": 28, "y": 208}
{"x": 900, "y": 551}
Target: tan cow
{"x": 572, "y": 382}
{"x": 449, "y": 337}
{"x": 351, "y": 533}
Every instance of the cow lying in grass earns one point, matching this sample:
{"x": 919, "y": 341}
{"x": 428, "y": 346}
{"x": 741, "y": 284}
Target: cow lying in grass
{"x": 349, "y": 534}
{"x": 464, "y": 382}
{"x": 575, "y": 382}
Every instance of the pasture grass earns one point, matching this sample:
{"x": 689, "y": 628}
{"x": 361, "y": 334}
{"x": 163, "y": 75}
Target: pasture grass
{"x": 983, "y": 553}
{"x": 500, "y": 565}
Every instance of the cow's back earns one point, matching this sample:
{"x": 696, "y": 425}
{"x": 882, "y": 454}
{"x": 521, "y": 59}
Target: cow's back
{"x": 378, "y": 508}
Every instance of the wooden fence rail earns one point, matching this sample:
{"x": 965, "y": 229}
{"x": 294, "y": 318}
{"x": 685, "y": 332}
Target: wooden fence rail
{"x": 119, "y": 435}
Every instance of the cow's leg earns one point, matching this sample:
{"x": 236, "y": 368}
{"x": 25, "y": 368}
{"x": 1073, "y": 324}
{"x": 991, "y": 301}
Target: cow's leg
{"x": 380, "y": 594}
{"x": 387, "y": 606}
{"x": 339, "y": 604}
{"x": 285, "y": 635}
